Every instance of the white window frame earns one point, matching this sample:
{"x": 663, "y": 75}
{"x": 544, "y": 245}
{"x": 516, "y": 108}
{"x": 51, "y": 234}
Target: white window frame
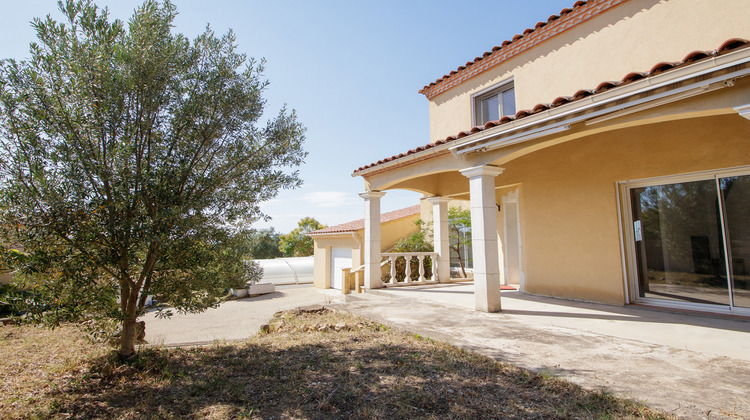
{"x": 628, "y": 243}
{"x": 478, "y": 96}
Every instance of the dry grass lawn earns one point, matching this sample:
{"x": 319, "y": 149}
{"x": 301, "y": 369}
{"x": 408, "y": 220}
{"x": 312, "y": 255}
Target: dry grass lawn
{"x": 305, "y": 365}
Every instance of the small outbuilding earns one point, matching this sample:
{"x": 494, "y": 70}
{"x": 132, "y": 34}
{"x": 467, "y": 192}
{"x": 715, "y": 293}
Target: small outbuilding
{"x": 341, "y": 246}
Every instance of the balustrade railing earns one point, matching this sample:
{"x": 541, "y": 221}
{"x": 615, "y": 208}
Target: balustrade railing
{"x": 427, "y": 268}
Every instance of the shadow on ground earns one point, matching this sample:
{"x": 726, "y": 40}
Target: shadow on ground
{"x": 326, "y": 366}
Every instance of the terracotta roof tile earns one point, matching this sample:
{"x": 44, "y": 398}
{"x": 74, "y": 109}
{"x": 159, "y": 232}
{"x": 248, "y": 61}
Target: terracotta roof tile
{"x": 537, "y": 108}
{"x": 727, "y": 46}
{"x": 555, "y": 24}
{"x": 523, "y": 113}
{"x": 562, "y": 100}
{"x": 694, "y": 56}
{"x": 730, "y": 45}
{"x": 632, "y": 77}
{"x": 605, "y": 86}
{"x": 356, "y": 225}
{"x": 662, "y": 67}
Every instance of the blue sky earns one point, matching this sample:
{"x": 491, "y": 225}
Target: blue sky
{"x": 351, "y": 70}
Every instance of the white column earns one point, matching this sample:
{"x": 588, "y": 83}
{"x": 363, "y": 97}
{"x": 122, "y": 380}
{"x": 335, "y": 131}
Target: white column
{"x": 484, "y": 237}
{"x": 441, "y": 237}
{"x": 372, "y": 239}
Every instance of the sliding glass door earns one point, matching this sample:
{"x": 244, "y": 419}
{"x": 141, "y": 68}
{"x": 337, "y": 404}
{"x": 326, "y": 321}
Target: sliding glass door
{"x": 735, "y": 193}
{"x": 691, "y": 241}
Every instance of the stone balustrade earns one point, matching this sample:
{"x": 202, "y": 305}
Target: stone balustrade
{"x": 422, "y": 265}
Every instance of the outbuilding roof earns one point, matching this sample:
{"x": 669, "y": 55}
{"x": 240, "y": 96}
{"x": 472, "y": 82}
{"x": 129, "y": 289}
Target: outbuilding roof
{"x": 360, "y": 224}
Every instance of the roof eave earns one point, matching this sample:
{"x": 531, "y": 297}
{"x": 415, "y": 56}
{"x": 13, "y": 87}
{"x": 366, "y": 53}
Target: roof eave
{"x": 618, "y": 93}
{"x": 433, "y": 151}
{"x": 345, "y": 233}
{"x": 493, "y": 137}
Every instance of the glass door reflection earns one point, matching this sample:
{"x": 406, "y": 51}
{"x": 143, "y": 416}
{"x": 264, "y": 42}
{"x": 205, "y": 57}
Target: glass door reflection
{"x": 679, "y": 243}
{"x": 735, "y": 193}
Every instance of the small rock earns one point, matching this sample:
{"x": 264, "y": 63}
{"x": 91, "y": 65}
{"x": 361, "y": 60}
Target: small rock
{"x": 311, "y": 309}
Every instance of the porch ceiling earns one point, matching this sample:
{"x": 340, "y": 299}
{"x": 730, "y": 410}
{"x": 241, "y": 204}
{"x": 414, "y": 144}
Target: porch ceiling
{"x": 442, "y": 184}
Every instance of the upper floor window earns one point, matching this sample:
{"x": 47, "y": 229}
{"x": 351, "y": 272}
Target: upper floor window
{"x": 493, "y": 104}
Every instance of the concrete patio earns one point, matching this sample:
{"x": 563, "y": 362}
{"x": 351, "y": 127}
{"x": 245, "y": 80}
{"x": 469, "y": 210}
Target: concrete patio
{"x": 695, "y": 366}
{"x": 689, "y": 365}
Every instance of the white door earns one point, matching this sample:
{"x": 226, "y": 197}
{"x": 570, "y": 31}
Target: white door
{"x": 340, "y": 258}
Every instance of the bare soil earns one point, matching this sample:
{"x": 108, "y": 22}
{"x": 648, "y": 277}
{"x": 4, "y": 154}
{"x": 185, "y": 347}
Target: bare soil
{"x": 319, "y": 364}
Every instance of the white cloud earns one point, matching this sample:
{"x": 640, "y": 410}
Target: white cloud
{"x": 330, "y": 199}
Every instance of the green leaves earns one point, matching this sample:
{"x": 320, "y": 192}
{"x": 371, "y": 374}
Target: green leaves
{"x": 136, "y": 154}
{"x": 459, "y": 224}
{"x": 297, "y": 243}
{"x": 262, "y": 244}
{"x": 418, "y": 241}
{"x": 459, "y": 236}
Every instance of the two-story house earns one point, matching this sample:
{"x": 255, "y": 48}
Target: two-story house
{"x": 605, "y": 153}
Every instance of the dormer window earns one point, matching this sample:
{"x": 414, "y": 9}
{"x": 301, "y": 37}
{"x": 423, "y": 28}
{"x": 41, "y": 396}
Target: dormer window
{"x": 494, "y": 104}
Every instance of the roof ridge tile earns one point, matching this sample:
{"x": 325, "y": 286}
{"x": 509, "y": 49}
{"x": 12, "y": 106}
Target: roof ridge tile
{"x": 430, "y": 89}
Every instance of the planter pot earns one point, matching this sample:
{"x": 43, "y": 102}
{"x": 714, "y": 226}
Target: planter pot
{"x": 261, "y": 288}
{"x": 240, "y": 293}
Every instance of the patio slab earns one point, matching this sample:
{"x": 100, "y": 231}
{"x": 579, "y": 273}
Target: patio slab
{"x": 691, "y": 366}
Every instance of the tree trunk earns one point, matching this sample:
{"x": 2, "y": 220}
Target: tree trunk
{"x": 127, "y": 337}
{"x": 461, "y": 263}
{"x": 129, "y": 333}
{"x": 460, "y": 260}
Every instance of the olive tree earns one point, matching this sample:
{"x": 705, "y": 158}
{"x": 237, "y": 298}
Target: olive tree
{"x": 130, "y": 158}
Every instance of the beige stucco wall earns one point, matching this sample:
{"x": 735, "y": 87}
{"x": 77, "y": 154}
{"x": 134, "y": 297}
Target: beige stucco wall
{"x": 426, "y": 207}
{"x": 322, "y": 256}
{"x": 390, "y": 233}
{"x": 633, "y": 36}
{"x": 568, "y": 200}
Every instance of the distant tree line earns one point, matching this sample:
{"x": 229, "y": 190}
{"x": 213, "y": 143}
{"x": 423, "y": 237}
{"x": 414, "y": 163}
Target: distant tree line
{"x": 263, "y": 244}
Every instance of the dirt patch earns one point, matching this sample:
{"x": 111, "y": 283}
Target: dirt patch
{"x": 308, "y": 364}
{"x": 35, "y": 362}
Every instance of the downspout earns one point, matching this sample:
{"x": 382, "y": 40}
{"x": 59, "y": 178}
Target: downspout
{"x": 356, "y": 239}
